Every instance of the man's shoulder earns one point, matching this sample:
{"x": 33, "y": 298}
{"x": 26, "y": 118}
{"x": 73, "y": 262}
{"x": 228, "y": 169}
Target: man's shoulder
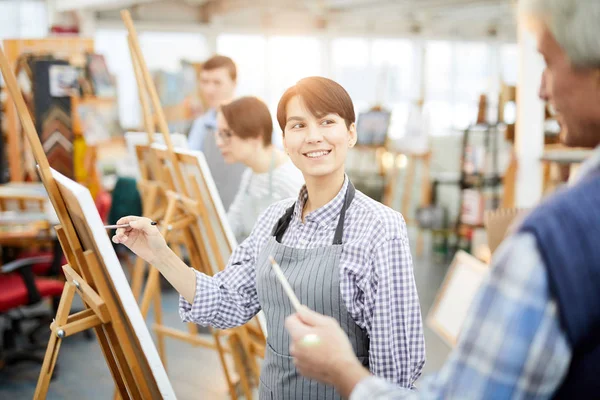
{"x": 209, "y": 117}
{"x": 578, "y": 203}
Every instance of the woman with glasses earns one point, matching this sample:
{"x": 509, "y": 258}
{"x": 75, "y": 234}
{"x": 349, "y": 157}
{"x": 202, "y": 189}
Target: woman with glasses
{"x": 244, "y": 131}
{"x": 345, "y": 256}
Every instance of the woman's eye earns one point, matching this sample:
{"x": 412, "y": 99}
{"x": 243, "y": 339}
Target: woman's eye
{"x": 327, "y": 122}
{"x": 297, "y": 126}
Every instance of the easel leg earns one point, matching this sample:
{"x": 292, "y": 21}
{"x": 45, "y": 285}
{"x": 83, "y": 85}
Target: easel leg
{"x": 250, "y": 360}
{"x": 221, "y": 353}
{"x": 138, "y": 277}
{"x": 390, "y": 187}
{"x": 62, "y": 314}
{"x": 47, "y": 367}
{"x": 153, "y": 282}
{"x": 426, "y": 198}
{"x": 192, "y": 328}
{"x": 149, "y": 291}
{"x": 235, "y": 344}
{"x": 408, "y": 187}
{"x": 158, "y": 320}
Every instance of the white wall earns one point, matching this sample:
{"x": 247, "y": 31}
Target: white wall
{"x": 23, "y": 19}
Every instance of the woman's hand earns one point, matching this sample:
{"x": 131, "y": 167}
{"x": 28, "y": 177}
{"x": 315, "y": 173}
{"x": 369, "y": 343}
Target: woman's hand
{"x": 143, "y": 238}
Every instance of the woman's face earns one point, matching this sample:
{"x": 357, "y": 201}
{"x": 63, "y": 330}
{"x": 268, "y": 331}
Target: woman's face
{"x": 234, "y": 148}
{"x": 316, "y": 145}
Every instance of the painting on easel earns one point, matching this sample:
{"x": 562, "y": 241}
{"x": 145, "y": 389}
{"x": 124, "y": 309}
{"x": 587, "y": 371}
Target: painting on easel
{"x": 93, "y": 236}
{"x": 92, "y": 272}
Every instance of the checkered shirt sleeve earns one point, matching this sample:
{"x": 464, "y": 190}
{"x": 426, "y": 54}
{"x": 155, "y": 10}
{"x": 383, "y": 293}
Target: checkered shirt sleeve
{"x": 511, "y": 345}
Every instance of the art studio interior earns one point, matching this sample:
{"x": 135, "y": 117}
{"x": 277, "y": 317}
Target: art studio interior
{"x": 299, "y": 199}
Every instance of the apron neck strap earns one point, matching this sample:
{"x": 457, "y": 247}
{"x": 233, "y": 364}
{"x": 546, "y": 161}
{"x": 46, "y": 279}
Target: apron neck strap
{"x": 283, "y": 222}
{"x": 339, "y": 230}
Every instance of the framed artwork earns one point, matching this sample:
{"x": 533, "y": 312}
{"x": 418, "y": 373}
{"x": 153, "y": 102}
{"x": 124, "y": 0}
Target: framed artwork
{"x": 100, "y": 76}
{"x": 372, "y": 127}
{"x": 64, "y": 81}
{"x": 98, "y": 119}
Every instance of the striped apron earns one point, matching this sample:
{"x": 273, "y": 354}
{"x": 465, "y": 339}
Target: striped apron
{"x": 315, "y": 278}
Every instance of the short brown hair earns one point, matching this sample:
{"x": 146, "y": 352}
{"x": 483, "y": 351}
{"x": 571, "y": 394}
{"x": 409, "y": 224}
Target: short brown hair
{"x": 249, "y": 117}
{"x": 321, "y": 96}
{"x": 216, "y": 62}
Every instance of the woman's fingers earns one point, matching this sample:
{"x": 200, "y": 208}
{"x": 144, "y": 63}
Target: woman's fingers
{"x": 142, "y": 224}
{"x": 128, "y": 219}
{"x": 120, "y": 238}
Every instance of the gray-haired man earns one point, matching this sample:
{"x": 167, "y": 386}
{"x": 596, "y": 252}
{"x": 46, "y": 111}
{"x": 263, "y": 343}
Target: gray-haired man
{"x": 534, "y": 328}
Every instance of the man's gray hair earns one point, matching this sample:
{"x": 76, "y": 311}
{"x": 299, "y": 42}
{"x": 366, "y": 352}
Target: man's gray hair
{"x": 575, "y": 25}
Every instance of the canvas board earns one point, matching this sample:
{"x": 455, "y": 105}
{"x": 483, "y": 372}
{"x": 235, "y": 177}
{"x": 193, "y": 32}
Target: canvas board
{"x": 93, "y": 236}
{"x": 211, "y": 196}
{"x": 500, "y": 223}
{"x": 453, "y": 300}
{"x": 133, "y": 139}
{"x": 372, "y": 127}
{"x": 199, "y": 170}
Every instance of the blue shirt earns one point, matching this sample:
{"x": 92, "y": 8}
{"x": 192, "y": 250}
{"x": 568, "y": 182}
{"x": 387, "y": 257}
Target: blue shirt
{"x": 202, "y": 126}
{"x": 512, "y": 344}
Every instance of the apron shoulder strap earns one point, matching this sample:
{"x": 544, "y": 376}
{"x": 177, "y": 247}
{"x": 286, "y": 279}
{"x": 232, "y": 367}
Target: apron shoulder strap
{"x": 339, "y": 230}
{"x": 283, "y": 223}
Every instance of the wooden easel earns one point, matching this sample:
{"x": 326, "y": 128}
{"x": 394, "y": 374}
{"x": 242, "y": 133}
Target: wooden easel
{"x": 151, "y": 188}
{"x": 86, "y": 275}
{"x": 409, "y": 176}
{"x": 208, "y": 255}
{"x": 182, "y": 213}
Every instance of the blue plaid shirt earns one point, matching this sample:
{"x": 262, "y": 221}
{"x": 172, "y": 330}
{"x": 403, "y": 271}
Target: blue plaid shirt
{"x": 376, "y": 279}
{"x": 511, "y": 345}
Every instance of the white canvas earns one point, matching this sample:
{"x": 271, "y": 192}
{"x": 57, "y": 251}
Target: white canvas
{"x": 119, "y": 280}
{"x": 454, "y": 299}
{"x": 133, "y": 139}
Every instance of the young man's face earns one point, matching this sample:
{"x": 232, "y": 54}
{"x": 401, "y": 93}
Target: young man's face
{"x": 216, "y": 86}
{"x": 573, "y": 93}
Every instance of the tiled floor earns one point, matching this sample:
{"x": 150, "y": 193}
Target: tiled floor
{"x": 195, "y": 373}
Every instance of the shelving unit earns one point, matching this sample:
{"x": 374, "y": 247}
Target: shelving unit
{"x": 481, "y": 178}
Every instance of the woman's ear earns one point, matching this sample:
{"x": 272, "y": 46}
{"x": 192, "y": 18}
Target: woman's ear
{"x": 352, "y": 135}
{"x": 284, "y": 144}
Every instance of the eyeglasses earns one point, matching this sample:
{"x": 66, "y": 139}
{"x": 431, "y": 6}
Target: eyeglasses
{"x": 225, "y": 135}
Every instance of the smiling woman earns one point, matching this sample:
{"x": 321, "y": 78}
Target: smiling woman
{"x": 318, "y": 122}
{"x": 344, "y": 255}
